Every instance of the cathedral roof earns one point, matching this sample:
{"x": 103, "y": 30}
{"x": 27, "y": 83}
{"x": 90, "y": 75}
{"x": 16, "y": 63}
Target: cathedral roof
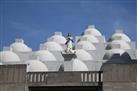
{"x": 57, "y": 37}
{"x": 86, "y": 45}
{"x": 53, "y": 46}
{"x": 36, "y": 66}
{"x": 83, "y": 55}
{"x": 9, "y": 56}
{"x": 19, "y": 46}
{"x": 119, "y": 35}
{"x": 78, "y": 65}
{"x": 45, "y": 55}
{"x": 92, "y": 31}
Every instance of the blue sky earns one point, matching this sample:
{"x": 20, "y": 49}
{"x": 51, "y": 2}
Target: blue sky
{"x": 36, "y": 20}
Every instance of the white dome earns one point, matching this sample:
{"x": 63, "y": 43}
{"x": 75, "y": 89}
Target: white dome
{"x": 79, "y": 65}
{"x": 0, "y": 63}
{"x": 45, "y": 55}
{"x": 53, "y": 46}
{"x": 58, "y": 38}
{"x": 92, "y": 30}
{"x": 83, "y": 55}
{"x": 86, "y": 45}
{"x": 120, "y": 36}
{"x": 36, "y": 66}
{"x": 121, "y": 44}
{"x": 91, "y": 38}
{"x": 9, "y": 56}
{"x": 19, "y": 46}
{"x": 111, "y": 52}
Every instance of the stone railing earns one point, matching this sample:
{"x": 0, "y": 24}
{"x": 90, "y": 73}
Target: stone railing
{"x": 83, "y": 78}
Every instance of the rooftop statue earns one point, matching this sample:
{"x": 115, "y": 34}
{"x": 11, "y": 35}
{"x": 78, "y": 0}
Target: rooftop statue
{"x": 69, "y": 44}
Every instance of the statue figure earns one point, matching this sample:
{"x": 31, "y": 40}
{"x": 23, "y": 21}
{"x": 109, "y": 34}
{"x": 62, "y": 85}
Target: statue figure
{"x": 69, "y": 44}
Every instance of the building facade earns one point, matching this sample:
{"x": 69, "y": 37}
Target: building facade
{"x": 96, "y": 64}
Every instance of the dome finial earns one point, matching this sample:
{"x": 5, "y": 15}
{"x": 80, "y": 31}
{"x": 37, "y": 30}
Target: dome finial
{"x": 119, "y": 31}
{"x": 18, "y": 40}
{"x": 91, "y": 26}
{"x": 58, "y": 33}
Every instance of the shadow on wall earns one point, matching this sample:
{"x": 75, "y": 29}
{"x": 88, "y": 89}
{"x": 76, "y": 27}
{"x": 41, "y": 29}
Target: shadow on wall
{"x": 117, "y": 58}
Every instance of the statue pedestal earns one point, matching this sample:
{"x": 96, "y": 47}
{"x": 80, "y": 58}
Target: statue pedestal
{"x": 68, "y": 56}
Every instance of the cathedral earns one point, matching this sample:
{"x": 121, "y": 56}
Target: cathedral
{"x": 86, "y": 62}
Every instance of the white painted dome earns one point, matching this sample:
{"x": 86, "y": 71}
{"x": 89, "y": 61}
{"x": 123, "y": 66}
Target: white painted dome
{"x": 119, "y": 44}
{"x": 19, "y": 46}
{"x": 0, "y": 63}
{"x": 9, "y": 56}
{"x": 91, "y": 38}
{"x": 45, "y": 55}
{"x": 58, "y": 38}
{"x": 86, "y": 45}
{"x": 53, "y": 46}
{"x": 111, "y": 52}
{"x": 120, "y": 36}
{"x": 83, "y": 55}
{"x": 92, "y": 30}
{"x": 78, "y": 65}
{"x": 36, "y": 66}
